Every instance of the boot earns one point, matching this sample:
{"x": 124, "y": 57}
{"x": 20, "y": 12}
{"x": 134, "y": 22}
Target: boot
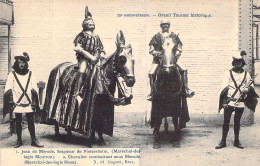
{"x": 36, "y": 143}
{"x": 221, "y": 145}
{"x": 150, "y": 96}
{"x": 189, "y": 93}
{"x": 19, "y": 133}
{"x": 18, "y": 143}
{"x": 77, "y": 93}
{"x": 12, "y": 126}
{"x": 238, "y": 144}
{"x": 236, "y": 133}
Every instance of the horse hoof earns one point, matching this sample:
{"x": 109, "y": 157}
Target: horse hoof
{"x": 93, "y": 141}
{"x": 89, "y": 145}
{"x": 101, "y": 142}
{"x": 156, "y": 145}
{"x": 69, "y": 133}
{"x": 57, "y": 134}
{"x": 176, "y": 144}
{"x": 177, "y": 132}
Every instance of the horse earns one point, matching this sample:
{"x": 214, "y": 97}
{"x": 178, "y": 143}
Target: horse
{"x": 96, "y": 111}
{"x": 169, "y": 99}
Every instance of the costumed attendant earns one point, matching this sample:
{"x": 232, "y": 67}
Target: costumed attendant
{"x": 237, "y": 91}
{"x": 21, "y": 97}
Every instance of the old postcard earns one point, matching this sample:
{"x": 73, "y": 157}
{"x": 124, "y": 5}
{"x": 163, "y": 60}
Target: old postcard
{"x": 129, "y": 82}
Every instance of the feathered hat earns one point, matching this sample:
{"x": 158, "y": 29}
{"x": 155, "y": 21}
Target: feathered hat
{"x": 239, "y": 57}
{"x": 24, "y": 57}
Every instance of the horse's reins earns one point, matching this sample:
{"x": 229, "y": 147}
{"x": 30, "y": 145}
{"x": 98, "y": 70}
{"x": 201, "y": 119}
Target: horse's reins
{"x": 105, "y": 83}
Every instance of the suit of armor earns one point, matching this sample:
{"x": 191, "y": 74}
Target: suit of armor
{"x": 156, "y": 50}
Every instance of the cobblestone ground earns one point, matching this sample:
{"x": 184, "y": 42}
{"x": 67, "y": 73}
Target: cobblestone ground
{"x": 197, "y": 144}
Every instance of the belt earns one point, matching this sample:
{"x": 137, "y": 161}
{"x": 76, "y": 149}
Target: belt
{"x": 234, "y": 99}
{"x": 22, "y": 105}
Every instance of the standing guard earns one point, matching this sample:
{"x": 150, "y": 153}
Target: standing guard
{"x": 156, "y": 51}
{"x": 21, "y": 97}
{"x": 237, "y": 91}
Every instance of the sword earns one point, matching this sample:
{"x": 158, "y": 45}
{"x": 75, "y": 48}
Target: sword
{"x": 247, "y": 86}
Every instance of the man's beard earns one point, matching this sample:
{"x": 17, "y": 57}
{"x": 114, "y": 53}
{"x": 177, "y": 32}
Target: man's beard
{"x": 21, "y": 71}
{"x": 90, "y": 28}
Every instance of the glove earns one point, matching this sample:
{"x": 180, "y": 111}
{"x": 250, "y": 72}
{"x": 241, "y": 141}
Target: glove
{"x": 225, "y": 106}
{"x": 157, "y": 54}
{"x": 245, "y": 90}
{"x": 33, "y": 108}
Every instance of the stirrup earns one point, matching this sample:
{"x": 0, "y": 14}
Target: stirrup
{"x": 149, "y": 97}
{"x": 190, "y": 93}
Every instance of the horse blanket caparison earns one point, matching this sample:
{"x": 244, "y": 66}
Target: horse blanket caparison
{"x": 168, "y": 100}
{"x": 96, "y": 112}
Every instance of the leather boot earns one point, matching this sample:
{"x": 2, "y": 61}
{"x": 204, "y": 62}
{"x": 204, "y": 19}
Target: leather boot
{"x": 36, "y": 143}
{"x": 18, "y": 143}
{"x": 19, "y": 133}
{"x": 221, "y": 145}
{"x": 189, "y": 93}
{"x": 238, "y": 144}
{"x": 77, "y": 93}
{"x": 12, "y": 126}
{"x": 236, "y": 133}
{"x": 150, "y": 96}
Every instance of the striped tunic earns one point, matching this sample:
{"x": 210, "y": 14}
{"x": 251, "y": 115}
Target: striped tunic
{"x": 89, "y": 42}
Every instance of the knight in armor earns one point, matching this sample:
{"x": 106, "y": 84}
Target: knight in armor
{"x": 89, "y": 49}
{"x": 156, "y": 50}
{"x": 237, "y": 91}
{"x": 21, "y": 97}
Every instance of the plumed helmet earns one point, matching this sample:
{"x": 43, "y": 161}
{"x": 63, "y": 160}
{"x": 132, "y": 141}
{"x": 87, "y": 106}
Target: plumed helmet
{"x": 88, "y": 17}
{"x": 87, "y": 13}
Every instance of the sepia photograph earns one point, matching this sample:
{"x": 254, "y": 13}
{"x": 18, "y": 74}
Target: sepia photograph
{"x": 95, "y": 82}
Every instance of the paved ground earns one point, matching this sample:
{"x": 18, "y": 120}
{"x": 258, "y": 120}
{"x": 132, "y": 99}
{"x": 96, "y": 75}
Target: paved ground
{"x": 197, "y": 143}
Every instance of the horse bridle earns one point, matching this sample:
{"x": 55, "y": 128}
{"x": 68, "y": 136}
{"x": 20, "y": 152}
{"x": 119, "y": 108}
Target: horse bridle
{"x": 105, "y": 84}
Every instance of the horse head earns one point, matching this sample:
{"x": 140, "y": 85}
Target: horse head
{"x": 168, "y": 59}
{"x": 124, "y": 60}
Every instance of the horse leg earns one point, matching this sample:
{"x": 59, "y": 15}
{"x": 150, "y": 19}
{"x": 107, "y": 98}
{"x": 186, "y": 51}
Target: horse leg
{"x": 57, "y": 132}
{"x": 157, "y": 144}
{"x": 177, "y": 132}
{"x": 101, "y": 140}
{"x": 166, "y": 125}
{"x": 69, "y": 133}
{"x": 93, "y": 138}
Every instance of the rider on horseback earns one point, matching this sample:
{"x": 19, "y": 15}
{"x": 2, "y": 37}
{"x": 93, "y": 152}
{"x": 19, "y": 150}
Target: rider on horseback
{"x": 89, "y": 49}
{"x": 156, "y": 50}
